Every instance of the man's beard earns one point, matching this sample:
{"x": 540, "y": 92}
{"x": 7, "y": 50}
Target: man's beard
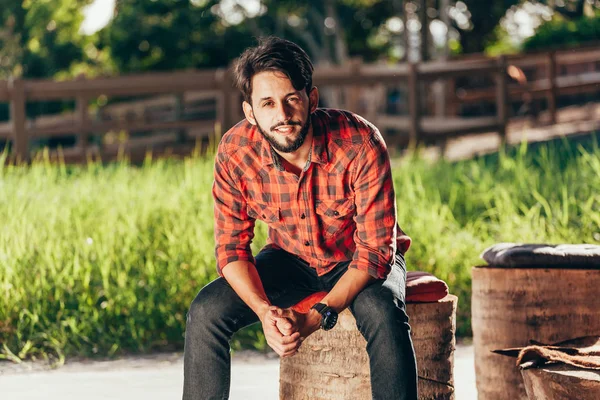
{"x": 290, "y": 144}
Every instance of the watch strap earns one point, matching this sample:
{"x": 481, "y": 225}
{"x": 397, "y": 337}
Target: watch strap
{"x": 319, "y": 307}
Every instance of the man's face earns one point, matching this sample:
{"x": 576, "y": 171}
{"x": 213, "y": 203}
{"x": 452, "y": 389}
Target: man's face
{"x": 281, "y": 113}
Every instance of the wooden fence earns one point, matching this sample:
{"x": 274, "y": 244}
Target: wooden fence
{"x": 213, "y": 92}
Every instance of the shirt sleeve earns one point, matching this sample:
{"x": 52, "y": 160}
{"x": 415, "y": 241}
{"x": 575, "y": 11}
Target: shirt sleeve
{"x": 376, "y": 226}
{"x": 234, "y": 229}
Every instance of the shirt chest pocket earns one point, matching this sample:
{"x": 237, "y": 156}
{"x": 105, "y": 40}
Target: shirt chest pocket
{"x": 269, "y": 214}
{"x": 335, "y": 215}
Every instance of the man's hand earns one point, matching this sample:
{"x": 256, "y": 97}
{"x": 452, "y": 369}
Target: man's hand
{"x": 286, "y": 329}
{"x": 292, "y": 321}
{"x": 279, "y": 332}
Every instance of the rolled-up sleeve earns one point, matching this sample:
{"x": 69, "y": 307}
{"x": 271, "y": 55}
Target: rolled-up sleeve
{"x": 375, "y": 235}
{"x": 234, "y": 229}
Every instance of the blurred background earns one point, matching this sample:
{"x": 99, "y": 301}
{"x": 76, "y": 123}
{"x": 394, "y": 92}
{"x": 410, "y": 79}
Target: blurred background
{"x": 104, "y": 241}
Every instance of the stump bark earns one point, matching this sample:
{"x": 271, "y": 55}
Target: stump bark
{"x": 561, "y": 382}
{"x": 334, "y": 365}
{"x": 511, "y": 306}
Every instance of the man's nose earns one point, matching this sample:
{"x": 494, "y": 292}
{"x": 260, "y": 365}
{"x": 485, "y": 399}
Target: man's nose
{"x": 283, "y": 112}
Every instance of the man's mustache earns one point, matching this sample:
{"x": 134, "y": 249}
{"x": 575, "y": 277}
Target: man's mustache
{"x": 284, "y": 123}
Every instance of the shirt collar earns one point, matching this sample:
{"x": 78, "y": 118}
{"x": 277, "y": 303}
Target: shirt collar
{"x": 266, "y": 156}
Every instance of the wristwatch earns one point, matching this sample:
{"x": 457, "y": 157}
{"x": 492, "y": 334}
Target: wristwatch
{"x": 328, "y": 314}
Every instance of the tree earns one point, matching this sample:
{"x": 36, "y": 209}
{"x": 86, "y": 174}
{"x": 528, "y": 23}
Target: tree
{"x": 485, "y": 16}
{"x": 41, "y": 38}
{"x": 174, "y": 34}
{"x": 170, "y": 34}
{"x": 331, "y": 31}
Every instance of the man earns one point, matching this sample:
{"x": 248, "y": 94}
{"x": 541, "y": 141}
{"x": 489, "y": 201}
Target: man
{"x": 321, "y": 180}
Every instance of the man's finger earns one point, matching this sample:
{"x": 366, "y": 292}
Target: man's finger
{"x": 284, "y": 323}
{"x": 275, "y": 310}
{"x": 289, "y": 347}
{"x": 289, "y": 354}
{"x": 274, "y": 334}
{"x": 285, "y": 326}
{"x": 271, "y": 331}
{"x": 294, "y": 337}
{"x": 292, "y": 340}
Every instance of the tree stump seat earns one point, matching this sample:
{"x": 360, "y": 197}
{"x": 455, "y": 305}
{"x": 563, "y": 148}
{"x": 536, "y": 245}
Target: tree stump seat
{"x": 334, "y": 365}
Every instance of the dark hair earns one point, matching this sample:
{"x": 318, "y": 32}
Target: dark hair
{"x": 273, "y": 54}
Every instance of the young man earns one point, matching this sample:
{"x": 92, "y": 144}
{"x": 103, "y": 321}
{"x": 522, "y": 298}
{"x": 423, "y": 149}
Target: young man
{"x": 321, "y": 180}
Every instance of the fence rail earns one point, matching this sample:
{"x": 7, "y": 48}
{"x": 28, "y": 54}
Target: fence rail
{"x": 196, "y": 103}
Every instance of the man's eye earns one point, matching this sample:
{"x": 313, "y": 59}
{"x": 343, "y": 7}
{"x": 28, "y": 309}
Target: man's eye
{"x": 267, "y": 104}
{"x": 293, "y": 99}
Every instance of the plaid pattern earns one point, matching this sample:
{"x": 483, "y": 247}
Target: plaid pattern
{"x": 341, "y": 207}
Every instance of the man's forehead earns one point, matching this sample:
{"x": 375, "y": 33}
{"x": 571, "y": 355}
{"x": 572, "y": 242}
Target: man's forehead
{"x": 268, "y": 82}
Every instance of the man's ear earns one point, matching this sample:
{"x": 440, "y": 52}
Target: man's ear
{"x": 314, "y": 99}
{"x": 248, "y": 112}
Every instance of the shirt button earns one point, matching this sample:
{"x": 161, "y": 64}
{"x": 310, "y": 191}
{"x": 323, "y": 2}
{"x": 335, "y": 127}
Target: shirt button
{"x": 264, "y": 216}
{"x": 307, "y": 243}
{"x": 302, "y": 216}
{"x": 336, "y": 213}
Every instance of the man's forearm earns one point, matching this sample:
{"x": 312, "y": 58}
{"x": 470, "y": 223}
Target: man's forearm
{"x": 347, "y": 288}
{"x": 244, "y": 279}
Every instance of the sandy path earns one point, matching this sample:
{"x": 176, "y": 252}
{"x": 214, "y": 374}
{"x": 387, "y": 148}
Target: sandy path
{"x": 254, "y": 377}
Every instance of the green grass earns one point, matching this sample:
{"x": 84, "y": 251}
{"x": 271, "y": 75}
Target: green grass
{"x": 106, "y": 259}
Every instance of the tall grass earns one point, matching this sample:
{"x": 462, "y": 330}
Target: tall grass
{"x": 546, "y": 193}
{"x": 106, "y": 259}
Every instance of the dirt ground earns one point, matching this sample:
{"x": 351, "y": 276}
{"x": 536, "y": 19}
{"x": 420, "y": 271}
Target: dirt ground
{"x": 255, "y": 376}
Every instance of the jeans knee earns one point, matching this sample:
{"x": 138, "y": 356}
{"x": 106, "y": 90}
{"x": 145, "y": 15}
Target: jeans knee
{"x": 205, "y": 309}
{"x": 378, "y": 308}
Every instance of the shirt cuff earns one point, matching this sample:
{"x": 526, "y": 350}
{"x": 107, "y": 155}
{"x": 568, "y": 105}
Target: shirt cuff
{"x": 226, "y": 257}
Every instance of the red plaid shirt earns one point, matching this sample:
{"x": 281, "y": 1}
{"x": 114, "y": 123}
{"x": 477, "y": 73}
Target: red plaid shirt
{"x": 341, "y": 207}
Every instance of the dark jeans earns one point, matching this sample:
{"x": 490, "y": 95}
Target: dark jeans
{"x": 217, "y": 313}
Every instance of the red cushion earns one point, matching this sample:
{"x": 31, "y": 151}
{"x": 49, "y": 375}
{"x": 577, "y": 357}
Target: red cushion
{"x": 421, "y": 287}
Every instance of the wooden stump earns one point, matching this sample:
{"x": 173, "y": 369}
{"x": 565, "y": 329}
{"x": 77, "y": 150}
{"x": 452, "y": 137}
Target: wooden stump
{"x": 334, "y": 365}
{"x": 511, "y": 306}
{"x": 561, "y": 382}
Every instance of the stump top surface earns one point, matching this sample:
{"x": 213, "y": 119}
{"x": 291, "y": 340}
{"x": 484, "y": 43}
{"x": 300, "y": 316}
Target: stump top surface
{"x": 565, "y": 370}
{"x": 517, "y": 255}
{"x": 449, "y": 298}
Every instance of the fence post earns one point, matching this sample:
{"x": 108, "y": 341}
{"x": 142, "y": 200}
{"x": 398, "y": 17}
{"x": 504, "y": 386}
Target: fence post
{"x": 179, "y": 111}
{"x": 553, "y": 90}
{"x": 83, "y": 120}
{"x": 17, "y": 118}
{"x": 353, "y": 92}
{"x": 414, "y": 105}
{"x": 502, "y": 103}
{"x": 452, "y": 102}
{"x": 225, "y": 113}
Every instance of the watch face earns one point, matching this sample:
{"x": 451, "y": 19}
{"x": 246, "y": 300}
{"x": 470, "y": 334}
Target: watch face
{"x": 329, "y": 320}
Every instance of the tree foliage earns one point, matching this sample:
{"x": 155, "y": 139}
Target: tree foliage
{"x": 331, "y": 31}
{"x": 174, "y": 34}
{"x": 170, "y": 34}
{"x": 485, "y": 16}
{"x": 561, "y": 33}
{"x": 40, "y": 38}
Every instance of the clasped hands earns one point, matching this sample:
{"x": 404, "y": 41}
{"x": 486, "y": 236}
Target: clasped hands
{"x": 285, "y": 329}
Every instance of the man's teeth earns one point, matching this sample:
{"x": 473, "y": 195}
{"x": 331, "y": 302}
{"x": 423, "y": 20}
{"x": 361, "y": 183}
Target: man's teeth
{"x": 285, "y": 129}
